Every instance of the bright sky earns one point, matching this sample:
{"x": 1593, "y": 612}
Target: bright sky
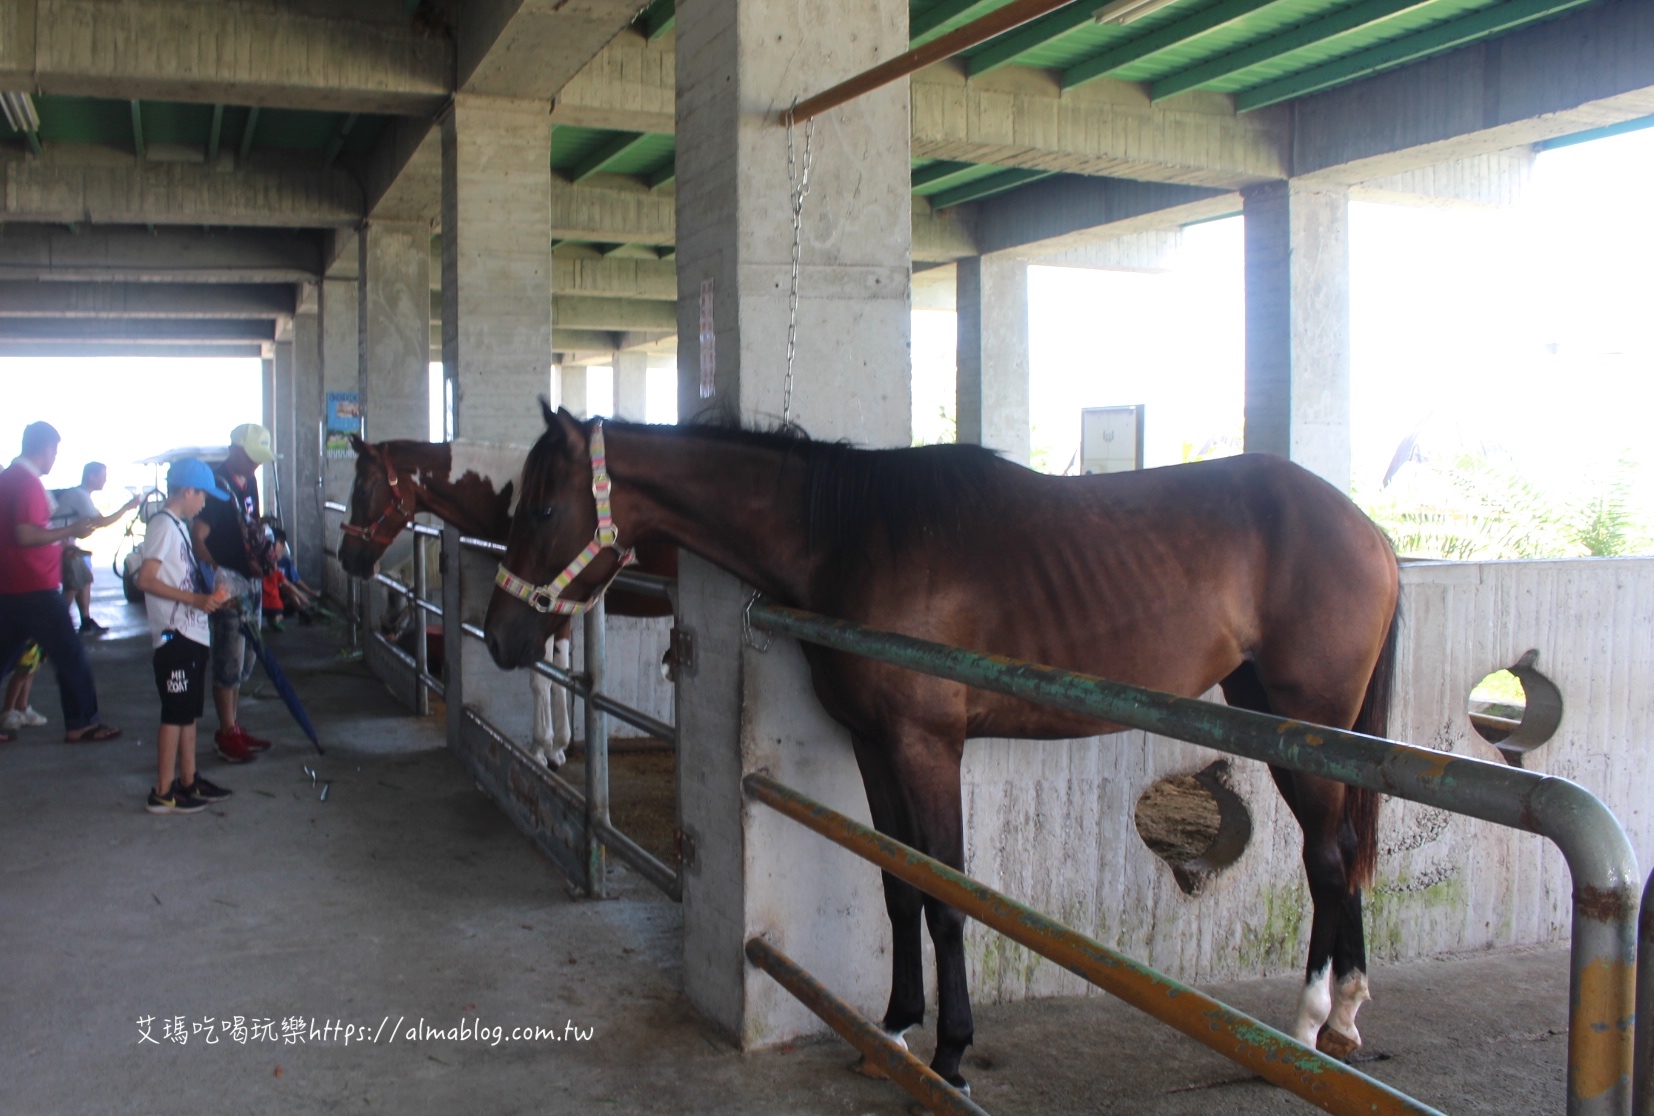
{"x": 119, "y": 409}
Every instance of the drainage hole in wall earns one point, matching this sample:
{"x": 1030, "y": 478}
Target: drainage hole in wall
{"x": 1196, "y": 823}
{"x": 1516, "y": 709}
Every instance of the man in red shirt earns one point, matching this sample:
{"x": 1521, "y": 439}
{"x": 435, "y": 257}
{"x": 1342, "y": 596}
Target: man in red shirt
{"x": 31, "y": 579}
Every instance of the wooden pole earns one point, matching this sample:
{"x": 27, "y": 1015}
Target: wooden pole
{"x": 998, "y": 22}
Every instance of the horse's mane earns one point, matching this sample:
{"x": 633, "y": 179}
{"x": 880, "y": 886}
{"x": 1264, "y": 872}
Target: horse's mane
{"x": 857, "y": 497}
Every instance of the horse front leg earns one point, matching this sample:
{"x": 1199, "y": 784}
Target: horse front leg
{"x": 903, "y": 902}
{"x": 929, "y": 770}
{"x": 551, "y": 711}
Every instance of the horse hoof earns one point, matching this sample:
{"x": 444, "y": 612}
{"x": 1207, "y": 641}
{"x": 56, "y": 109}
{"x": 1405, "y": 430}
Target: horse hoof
{"x": 1335, "y": 1044}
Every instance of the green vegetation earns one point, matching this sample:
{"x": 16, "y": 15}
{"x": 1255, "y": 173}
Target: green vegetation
{"x": 1477, "y": 507}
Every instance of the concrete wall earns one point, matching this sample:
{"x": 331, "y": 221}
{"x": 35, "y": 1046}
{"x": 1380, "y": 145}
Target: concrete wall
{"x": 1051, "y": 823}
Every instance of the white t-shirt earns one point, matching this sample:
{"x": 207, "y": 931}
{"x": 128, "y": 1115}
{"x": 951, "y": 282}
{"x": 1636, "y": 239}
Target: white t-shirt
{"x": 167, "y": 539}
{"x": 74, "y": 505}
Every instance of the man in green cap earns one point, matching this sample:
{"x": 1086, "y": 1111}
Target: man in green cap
{"x": 230, "y": 539}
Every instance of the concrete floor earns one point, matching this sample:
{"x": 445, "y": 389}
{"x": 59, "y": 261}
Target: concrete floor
{"x": 407, "y": 895}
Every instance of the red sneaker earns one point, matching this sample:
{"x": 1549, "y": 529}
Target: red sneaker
{"x": 232, "y": 747}
{"x": 256, "y": 743}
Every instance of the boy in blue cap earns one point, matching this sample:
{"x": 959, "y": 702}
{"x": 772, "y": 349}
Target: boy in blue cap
{"x": 172, "y": 584}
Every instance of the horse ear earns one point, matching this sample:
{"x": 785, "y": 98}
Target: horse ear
{"x": 358, "y": 445}
{"x": 547, "y": 413}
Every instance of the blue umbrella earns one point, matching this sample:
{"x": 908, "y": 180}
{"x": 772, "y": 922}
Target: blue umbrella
{"x": 282, "y": 685}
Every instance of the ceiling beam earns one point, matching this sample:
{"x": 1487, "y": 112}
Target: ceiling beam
{"x": 1020, "y": 117}
{"x": 215, "y": 133}
{"x": 662, "y": 176}
{"x": 1008, "y": 47}
{"x": 274, "y": 55}
{"x": 1186, "y": 30}
{"x": 1502, "y": 18}
{"x": 138, "y": 129}
{"x": 248, "y": 130}
{"x": 529, "y": 49}
{"x": 153, "y": 349}
{"x": 76, "y": 182}
{"x": 1069, "y": 211}
{"x": 940, "y": 174}
{"x": 168, "y": 255}
{"x": 168, "y": 330}
{"x": 599, "y": 160}
{"x": 28, "y": 299}
{"x": 1335, "y": 23}
{"x": 657, "y": 19}
{"x": 337, "y": 143}
{"x": 934, "y": 20}
{"x": 986, "y": 187}
{"x": 614, "y": 210}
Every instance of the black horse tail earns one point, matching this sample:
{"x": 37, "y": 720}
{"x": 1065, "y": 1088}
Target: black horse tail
{"x": 1360, "y": 804}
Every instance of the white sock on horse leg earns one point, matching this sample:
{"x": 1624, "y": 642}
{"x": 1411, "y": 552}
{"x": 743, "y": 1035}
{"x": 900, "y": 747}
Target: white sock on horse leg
{"x": 1350, "y": 993}
{"x": 1314, "y": 1005}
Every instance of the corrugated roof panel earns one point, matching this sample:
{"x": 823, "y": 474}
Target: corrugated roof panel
{"x": 1326, "y": 50}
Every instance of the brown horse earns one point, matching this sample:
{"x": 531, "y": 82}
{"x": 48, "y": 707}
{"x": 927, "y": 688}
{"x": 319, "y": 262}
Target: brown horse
{"x": 470, "y": 485}
{"x": 1248, "y": 572}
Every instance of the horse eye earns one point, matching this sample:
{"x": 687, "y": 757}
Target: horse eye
{"x": 546, "y": 514}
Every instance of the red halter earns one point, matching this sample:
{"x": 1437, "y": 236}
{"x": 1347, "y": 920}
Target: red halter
{"x": 404, "y": 500}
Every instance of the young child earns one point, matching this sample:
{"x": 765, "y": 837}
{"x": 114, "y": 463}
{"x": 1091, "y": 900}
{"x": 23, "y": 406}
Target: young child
{"x": 297, "y": 597}
{"x": 171, "y": 582}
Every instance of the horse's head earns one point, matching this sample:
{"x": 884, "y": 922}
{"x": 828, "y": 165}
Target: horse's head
{"x": 376, "y": 511}
{"x": 556, "y": 521}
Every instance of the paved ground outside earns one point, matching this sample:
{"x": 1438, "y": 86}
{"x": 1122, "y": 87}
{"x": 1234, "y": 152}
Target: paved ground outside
{"x": 406, "y": 896}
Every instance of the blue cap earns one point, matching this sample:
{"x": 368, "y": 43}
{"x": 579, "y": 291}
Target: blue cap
{"x": 192, "y": 472}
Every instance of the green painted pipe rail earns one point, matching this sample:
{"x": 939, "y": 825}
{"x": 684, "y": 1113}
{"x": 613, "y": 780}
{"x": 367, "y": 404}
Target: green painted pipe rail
{"x": 1606, "y": 882}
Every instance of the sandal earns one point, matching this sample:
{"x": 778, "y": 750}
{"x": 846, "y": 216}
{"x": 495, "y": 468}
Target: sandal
{"x": 93, "y": 734}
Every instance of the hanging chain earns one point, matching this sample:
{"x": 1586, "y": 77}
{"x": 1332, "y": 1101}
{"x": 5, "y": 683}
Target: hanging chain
{"x": 799, "y": 184}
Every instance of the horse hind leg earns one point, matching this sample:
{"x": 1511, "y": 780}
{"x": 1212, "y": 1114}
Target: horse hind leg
{"x": 903, "y": 902}
{"x": 1335, "y": 979}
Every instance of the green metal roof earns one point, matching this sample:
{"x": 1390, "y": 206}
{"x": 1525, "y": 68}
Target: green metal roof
{"x": 1263, "y": 51}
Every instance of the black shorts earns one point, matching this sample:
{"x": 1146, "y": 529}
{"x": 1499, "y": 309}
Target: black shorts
{"x": 181, "y": 679}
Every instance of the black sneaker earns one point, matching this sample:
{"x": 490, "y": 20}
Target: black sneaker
{"x": 204, "y": 789}
{"x": 174, "y": 802}
{"x": 90, "y": 626}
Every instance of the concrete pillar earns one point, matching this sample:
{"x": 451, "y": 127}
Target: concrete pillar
{"x": 340, "y": 353}
{"x": 751, "y": 871}
{"x": 279, "y": 498}
{"x": 496, "y": 350}
{"x": 571, "y": 379}
{"x": 393, "y": 328}
{"x": 631, "y": 380}
{"x": 267, "y": 473}
{"x": 1298, "y": 326}
{"x": 303, "y": 516}
{"x": 496, "y": 264}
{"x": 992, "y": 361}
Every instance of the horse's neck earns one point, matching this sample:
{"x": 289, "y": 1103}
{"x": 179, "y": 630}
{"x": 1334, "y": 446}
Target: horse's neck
{"x": 740, "y": 507}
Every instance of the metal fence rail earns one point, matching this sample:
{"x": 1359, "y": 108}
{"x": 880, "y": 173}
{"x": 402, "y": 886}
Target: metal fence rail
{"x": 602, "y": 835}
{"x": 1606, "y": 882}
